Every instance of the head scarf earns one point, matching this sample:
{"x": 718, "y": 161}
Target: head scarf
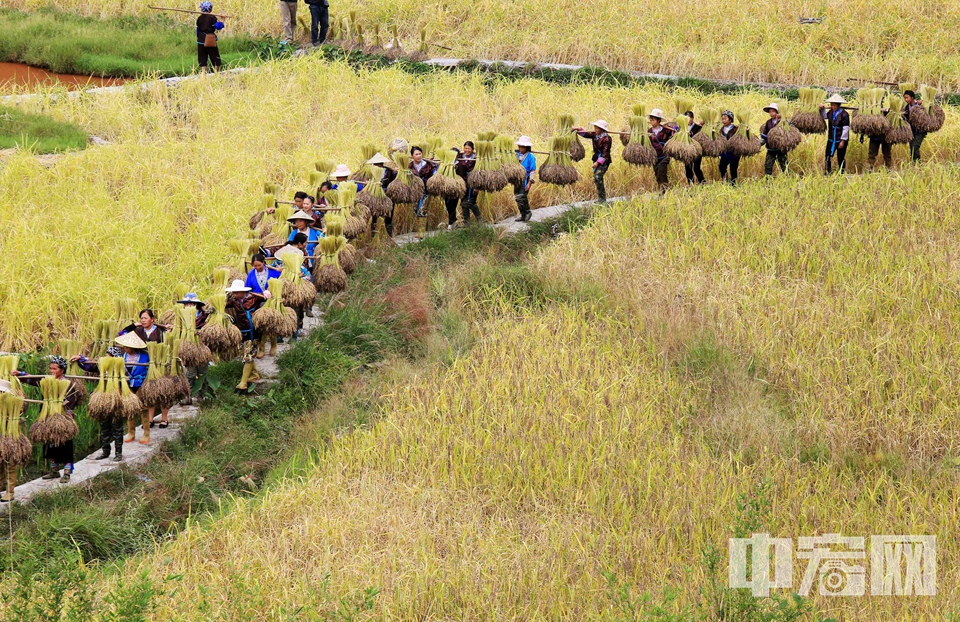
{"x": 206, "y": 7}
{"x": 114, "y": 351}
{"x": 59, "y": 361}
{"x": 728, "y": 113}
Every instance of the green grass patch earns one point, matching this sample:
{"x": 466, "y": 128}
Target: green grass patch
{"x": 38, "y": 132}
{"x": 127, "y": 47}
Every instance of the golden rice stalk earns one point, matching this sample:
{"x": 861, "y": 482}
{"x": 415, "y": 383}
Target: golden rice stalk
{"x": 175, "y": 373}
{"x": 558, "y": 169}
{"x": 745, "y": 142}
{"x": 53, "y": 426}
{"x": 69, "y": 348}
{"x": 577, "y": 152}
{"x": 681, "y": 146}
{"x": 8, "y": 365}
{"x": 192, "y": 352}
{"x": 869, "y": 119}
{"x": 637, "y": 110}
{"x": 445, "y": 183}
{"x": 807, "y": 118}
{"x": 15, "y": 448}
{"x": 900, "y": 131}
{"x": 347, "y": 256}
{"x": 407, "y": 188}
{"x": 220, "y": 279}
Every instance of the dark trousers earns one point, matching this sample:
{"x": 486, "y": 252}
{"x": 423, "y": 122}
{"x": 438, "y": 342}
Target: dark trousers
{"x": 876, "y": 146}
{"x": 915, "y": 145}
{"x": 469, "y": 206}
{"x": 59, "y": 454}
{"x": 728, "y": 168}
{"x": 660, "y": 170}
{"x": 841, "y": 154}
{"x": 520, "y": 196}
{"x": 212, "y": 54}
{"x": 694, "y": 171}
{"x": 319, "y": 23}
{"x": 451, "y": 210}
{"x": 778, "y": 157}
{"x": 598, "y": 174}
{"x": 112, "y": 430}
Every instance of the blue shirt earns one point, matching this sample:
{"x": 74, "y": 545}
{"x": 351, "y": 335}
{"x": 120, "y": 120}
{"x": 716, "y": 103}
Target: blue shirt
{"x": 529, "y": 163}
{"x": 254, "y": 284}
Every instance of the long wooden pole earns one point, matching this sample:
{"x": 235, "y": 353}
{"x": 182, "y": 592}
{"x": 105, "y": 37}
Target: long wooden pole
{"x": 167, "y": 8}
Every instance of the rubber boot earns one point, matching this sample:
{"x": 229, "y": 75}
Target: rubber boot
{"x": 261, "y": 350}
{"x": 145, "y": 422}
{"x": 131, "y": 430}
{"x": 249, "y": 375}
{"x": 11, "y": 483}
{"x": 273, "y": 346}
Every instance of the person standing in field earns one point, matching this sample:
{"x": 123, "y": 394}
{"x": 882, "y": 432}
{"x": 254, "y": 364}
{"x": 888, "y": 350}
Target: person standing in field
{"x": 601, "y": 154}
{"x": 319, "y": 20}
{"x": 62, "y": 454}
{"x": 694, "y": 170}
{"x": 911, "y": 101}
{"x": 774, "y": 156}
{"x": 729, "y": 161}
{"x": 838, "y": 133}
{"x": 522, "y": 189}
{"x": 465, "y": 163}
{"x": 424, "y": 169}
{"x": 288, "y": 13}
{"x": 207, "y": 27}
{"x": 659, "y": 135}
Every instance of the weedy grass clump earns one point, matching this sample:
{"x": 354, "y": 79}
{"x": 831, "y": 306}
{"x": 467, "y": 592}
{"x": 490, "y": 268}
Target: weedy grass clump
{"x": 53, "y": 426}
{"x": 807, "y": 118}
{"x": 681, "y": 146}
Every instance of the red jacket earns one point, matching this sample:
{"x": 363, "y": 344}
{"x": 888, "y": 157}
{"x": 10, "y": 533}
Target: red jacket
{"x": 601, "y": 146}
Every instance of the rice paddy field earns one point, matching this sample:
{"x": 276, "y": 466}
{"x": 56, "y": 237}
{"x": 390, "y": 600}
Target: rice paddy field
{"x": 185, "y": 168}
{"x": 681, "y": 356}
{"x": 752, "y": 40}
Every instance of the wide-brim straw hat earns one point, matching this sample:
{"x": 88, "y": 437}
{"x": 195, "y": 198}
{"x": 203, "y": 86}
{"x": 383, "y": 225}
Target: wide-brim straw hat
{"x": 237, "y": 286}
{"x": 524, "y": 141}
{"x": 190, "y": 299}
{"x": 772, "y": 106}
{"x": 379, "y": 158}
{"x": 342, "y": 170}
{"x": 301, "y": 215}
{"x": 656, "y": 113}
{"x": 130, "y": 340}
{"x": 836, "y": 98}
{"x": 5, "y": 386}
{"x": 601, "y": 124}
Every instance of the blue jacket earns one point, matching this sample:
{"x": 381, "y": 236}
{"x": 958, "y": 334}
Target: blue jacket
{"x": 252, "y": 279}
{"x": 529, "y": 164}
{"x": 136, "y": 374}
{"x": 313, "y": 236}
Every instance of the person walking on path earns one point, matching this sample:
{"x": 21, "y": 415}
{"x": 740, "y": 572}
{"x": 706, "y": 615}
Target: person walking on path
{"x": 601, "y": 154}
{"x": 774, "y": 156}
{"x": 521, "y": 189}
{"x": 207, "y": 27}
{"x": 694, "y": 170}
{"x": 729, "y": 161}
{"x": 659, "y": 135}
{"x": 288, "y": 13}
{"x": 465, "y": 163}
{"x": 319, "y": 21}
{"x": 838, "y": 133}
{"x": 911, "y": 101}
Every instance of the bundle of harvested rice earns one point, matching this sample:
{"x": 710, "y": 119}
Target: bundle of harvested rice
{"x": 158, "y": 390}
{"x": 808, "y": 119}
{"x": 506, "y": 151}
{"x": 128, "y": 311}
{"x": 558, "y": 169}
{"x": 8, "y": 365}
{"x": 639, "y": 150}
{"x": 709, "y": 133}
{"x": 784, "y": 137}
{"x": 297, "y": 292}
{"x": 344, "y": 197}
{"x": 927, "y": 117}
{"x": 375, "y": 47}
{"x": 267, "y": 201}
{"x": 328, "y": 276}
{"x": 745, "y": 142}
{"x": 406, "y": 188}
{"x": 192, "y": 352}
{"x": 53, "y": 426}
{"x": 177, "y": 374}
{"x": 422, "y": 52}
{"x": 130, "y": 403}
{"x": 869, "y": 119}
{"x": 281, "y": 227}
{"x": 394, "y": 50}
{"x": 220, "y": 279}
{"x": 375, "y": 199}
{"x": 69, "y": 348}
{"x": 15, "y": 448}
{"x": 680, "y": 146}
{"x": 900, "y": 131}
{"x": 105, "y": 401}
{"x": 366, "y": 172}
{"x": 271, "y": 319}
{"x": 445, "y": 182}
{"x": 577, "y": 151}
{"x": 683, "y": 104}
{"x": 487, "y": 174}
{"x": 219, "y": 334}
{"x": 347, "y": 255}
{"x": 637, "y": 110}
{"x": 105, "y": 331}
